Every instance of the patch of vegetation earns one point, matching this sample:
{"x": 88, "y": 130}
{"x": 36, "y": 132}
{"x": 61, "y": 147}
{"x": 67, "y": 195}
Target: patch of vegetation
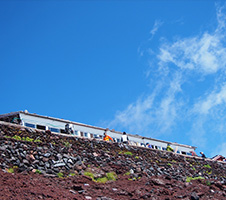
{"x": 37, "y": 171}
{"x": 111, "y": 176}
{"x": 169, "y": 164}
{"x": 102, "y": 180}
{"x": 37, "y": 140}
{"x": 208, "y": 183}
{"x": 195, "y": 178}
{"x": 128, "y": 153}
{"x": 27, "y": 139}
{"x": 6, "y": 136}
{"x": 127, "y": 173}
{"x": 67, "y": 144}
{"x": 207, "y": 166}
{"x": 60, "y": 175}
{"x": 10, "y": 170}
{"x": 71, "y": 174}
{"x": 137, "y": 157}
{"x": 193, "y": 169}
{"x": 89, "y": 174}
{"x": 16, "y": 137}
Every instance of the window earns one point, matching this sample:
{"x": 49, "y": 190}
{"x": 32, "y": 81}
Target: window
{"x": 178, "y": 152}
{"x": 54, "y": 130}
{"x": 82, "y": 134}
{"x": 30, "y": 125}
{"x": 182, "y": 152}
{"x": 62, "y": 131}
{"x": 41, "y": 127}
{"x": 91, "y": 135}
{"x": 118, "y": 140}
{"x": 85, "y": 134}
{"x": 163, "y": 148}
{"x": 75, "y": 132}
{"x": 188, "y": 153}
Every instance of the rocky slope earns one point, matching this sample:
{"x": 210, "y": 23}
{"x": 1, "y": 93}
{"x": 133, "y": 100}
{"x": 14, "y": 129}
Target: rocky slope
{"x": 40, "y": 165}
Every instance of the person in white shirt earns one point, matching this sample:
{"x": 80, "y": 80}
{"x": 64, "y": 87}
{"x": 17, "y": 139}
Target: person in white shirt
{"x": 124, "y": 138}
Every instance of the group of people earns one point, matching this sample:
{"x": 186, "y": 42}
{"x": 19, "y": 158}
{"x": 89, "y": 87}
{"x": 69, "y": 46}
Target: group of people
{"x": 124, "y": 138}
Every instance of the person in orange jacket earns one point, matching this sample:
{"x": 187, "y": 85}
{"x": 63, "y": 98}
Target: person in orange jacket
{"x": 107, "y": 137}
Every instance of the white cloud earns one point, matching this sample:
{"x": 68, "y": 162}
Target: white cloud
{"x": 157, "y": 25}
{"x": 211, "y": 101}
{"x": 180, "y": 64}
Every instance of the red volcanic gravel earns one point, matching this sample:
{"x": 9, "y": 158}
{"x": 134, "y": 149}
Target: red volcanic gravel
{"x": 36, "y": 186}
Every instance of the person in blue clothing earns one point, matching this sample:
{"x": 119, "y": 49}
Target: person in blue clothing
{"x": 148, "y": 145}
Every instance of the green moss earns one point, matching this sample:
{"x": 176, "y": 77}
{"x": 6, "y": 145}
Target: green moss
{"x": 195, "y": 178}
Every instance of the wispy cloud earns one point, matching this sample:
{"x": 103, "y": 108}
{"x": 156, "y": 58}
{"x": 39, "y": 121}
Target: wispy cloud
{"x": 188, "y": 86}
{"x": 157, "y": 25}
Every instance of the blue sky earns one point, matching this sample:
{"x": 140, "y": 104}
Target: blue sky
{"x": 153, "y": 68}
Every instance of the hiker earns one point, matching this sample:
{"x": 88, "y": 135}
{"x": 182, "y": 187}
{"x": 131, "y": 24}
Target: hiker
{"x": 148, "y": 146}
{"x": 124, "y": 138}
{"x": 69, "y": 129}
{"x": 107, "y": 137}
{"x": 202, "y": 155}
{"x": 169, "y": 148}
{"x": 193, "y": 153}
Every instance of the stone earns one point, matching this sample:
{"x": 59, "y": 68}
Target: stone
{"x": 47, "y": 155}
{"x": 61, "y": 164}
